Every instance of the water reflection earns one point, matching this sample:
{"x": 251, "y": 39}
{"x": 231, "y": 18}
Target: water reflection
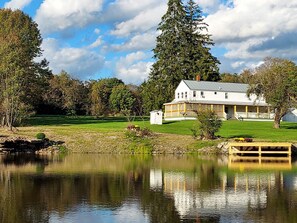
{"x": 106, "y": 188}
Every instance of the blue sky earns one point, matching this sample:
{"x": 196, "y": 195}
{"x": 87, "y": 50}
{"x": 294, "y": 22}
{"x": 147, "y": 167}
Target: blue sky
{"x": 91, "y": 39}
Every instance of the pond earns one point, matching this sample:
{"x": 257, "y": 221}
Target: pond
{"x": 120, "y": 188}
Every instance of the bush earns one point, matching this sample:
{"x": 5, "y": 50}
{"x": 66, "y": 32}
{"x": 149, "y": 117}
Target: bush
{"x": 134, "y": 131}
{"x": 40, "y": 135}
{"x": 209, "y": 123}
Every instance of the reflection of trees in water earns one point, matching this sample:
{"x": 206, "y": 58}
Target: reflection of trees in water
{"x": 281, "y": 203}
{"x": 20, "y": 160}
{"x": 32, "y": 198}
{"x": 209, "y": 177}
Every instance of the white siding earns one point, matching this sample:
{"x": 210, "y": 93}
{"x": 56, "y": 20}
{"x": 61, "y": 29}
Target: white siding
{"x": 182, "y": 90}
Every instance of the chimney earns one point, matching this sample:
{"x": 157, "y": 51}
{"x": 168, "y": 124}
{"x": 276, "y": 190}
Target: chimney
{"x": 198, "y": 78}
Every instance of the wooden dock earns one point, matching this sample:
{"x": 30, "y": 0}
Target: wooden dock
{"x": 260, "y": 148}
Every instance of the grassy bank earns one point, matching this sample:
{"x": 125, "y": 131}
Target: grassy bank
{"x": 88, "y": 134}
{"x": 230, "y": 129}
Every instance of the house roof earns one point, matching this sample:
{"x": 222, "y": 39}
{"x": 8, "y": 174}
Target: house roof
{"x": 216, "y": 86}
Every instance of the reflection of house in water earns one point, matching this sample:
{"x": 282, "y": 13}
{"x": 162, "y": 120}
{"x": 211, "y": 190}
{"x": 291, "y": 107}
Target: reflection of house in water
{"x": 236, "y": 193}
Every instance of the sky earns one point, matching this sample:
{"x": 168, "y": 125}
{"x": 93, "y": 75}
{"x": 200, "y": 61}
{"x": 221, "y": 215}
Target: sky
{"x": 93, "y": 39}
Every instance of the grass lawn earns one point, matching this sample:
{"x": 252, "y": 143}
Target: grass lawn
{"x": 230, "y": 129}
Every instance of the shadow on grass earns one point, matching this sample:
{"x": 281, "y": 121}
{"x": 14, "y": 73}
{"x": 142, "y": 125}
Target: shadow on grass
{"x": 289, "y": 126}
{"x": 240, "y": 136}
{"x": 168, "y": 122}
{"x": 74, "y": 120}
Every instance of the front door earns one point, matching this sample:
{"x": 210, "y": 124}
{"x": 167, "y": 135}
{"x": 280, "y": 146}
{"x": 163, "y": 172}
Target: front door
{"x": 229, "y": 110}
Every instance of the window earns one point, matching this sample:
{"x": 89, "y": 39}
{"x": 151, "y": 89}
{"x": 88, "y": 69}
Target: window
{"x": 202, "y": 94}
{"x": 186, "y": 95}
{"x": 177, "y": 95}
{"x": 182, "y": 95}
{"x": 194, "y": 94}
{"x": 226, "y": 95}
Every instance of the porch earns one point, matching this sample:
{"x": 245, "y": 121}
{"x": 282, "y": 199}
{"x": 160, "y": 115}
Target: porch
{"x": 188, "y": 111}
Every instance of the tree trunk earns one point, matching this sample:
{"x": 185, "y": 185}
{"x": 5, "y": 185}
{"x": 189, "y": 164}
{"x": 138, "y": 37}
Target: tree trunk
{"x": 277, "y": 119}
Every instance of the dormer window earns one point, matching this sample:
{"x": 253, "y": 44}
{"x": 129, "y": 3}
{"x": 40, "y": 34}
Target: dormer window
{"x": 226, "y": 95}
{"x": 178, "y": 95}
{"x": 186, "y": 95}
{"x": 182, "y": 95}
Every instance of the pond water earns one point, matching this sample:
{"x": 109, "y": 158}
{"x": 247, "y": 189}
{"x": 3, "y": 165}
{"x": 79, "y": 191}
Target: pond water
{"x": 117, "y": 188}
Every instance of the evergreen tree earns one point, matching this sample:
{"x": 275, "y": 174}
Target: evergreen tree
{"x": 168, "y": 69}
{"x": 199, "y": 60}
{"x": 182, "y": 52}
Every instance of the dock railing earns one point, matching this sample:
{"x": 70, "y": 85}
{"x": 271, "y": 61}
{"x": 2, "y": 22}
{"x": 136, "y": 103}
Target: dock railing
{"x": 260, "y": 148}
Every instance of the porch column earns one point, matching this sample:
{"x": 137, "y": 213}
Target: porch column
{"x": 211, "y": 107}
{"x": 235, "y": 111}
{"x": 268, "y": 110}
{"x": 171, "y": 110}
{"x": 185, "y": 107}
{"x": 178, "y": 110}
{"x": 258, "y": 111}
{"x": 247, "y": 111}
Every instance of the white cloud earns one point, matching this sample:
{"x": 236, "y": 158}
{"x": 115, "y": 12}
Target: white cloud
{"x": 133, "y": 68}
{"x": 80, "y": 62}
{"x": 252, "y": 18}
{"x": 126, "y": 9}
{"x": 57, "y": 15}
{"x": 138, "y": 42}
{"x": 97, "y": 31}
{"x": 209, "y": 5}
{"x": 98, "y": 42}
{"x": 252, "y": 30}
{"x": 143, "y": 22}
{"x": 17, "y": 4}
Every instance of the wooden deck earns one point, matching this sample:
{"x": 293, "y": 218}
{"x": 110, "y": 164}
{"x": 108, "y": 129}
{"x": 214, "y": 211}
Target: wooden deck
{"x": 260, "y": 148}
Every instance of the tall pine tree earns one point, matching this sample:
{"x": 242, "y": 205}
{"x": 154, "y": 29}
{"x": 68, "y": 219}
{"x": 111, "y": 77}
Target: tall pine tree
{"x": 198, "y": 58}
{"x": 182, "y": 51}
{"x": 168, "y": 69}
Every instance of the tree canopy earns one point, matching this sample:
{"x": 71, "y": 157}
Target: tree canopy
{"x": 275, "y": 80}
{"x": 20, "y": 42}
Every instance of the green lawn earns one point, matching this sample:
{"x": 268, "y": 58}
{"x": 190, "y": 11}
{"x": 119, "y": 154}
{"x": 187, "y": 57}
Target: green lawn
{"x": 230, "y": 129}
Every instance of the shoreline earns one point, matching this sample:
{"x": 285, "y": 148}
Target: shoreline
{"x": 117, "y": 143}
{"x": 107, "y": 142}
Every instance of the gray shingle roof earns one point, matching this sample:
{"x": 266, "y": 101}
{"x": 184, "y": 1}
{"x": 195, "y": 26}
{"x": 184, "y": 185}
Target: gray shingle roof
{"x": 216, "y": 86}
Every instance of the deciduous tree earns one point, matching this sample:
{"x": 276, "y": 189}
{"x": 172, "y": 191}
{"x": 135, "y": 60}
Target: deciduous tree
{"x": 275, "y": 80}
{"x": 122, "y": 100}
{"x": 100, "y": 92}
{"x": 20, "y": 42}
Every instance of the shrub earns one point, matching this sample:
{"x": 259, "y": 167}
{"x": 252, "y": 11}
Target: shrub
{"x": 134, "y": 131}
{"x": 209, "y": 123}
{"x": 40, "y": 135}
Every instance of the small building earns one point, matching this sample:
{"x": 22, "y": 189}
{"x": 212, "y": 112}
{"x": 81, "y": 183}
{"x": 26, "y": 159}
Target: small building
{"x": 228, "y": 100}
{"x": 291, "y": 116}
{"x": 156, "y": 117}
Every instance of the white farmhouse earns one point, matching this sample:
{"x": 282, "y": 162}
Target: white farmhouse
{"x": 228, "y": 100}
